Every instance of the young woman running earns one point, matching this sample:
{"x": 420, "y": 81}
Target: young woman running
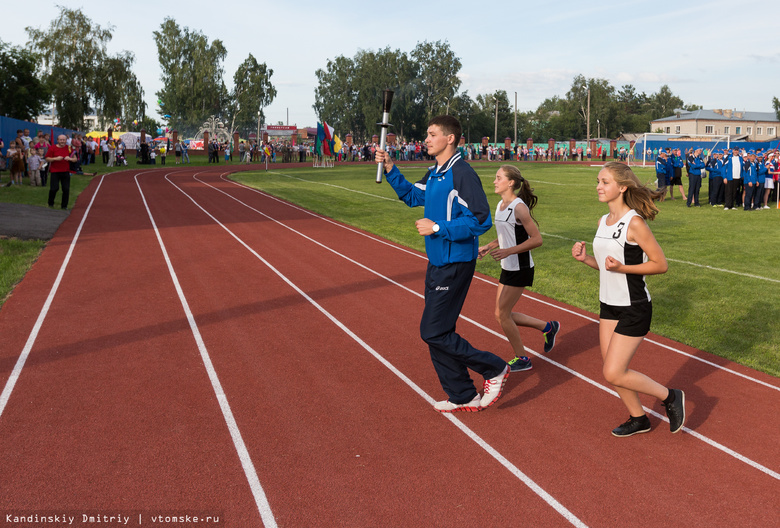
{"x": 625, "y": 251}
{"x": 518, "y": 234}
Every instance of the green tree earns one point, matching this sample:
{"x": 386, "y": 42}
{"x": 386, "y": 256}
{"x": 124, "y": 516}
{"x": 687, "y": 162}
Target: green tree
{"x": 380, "y": 70}
{"x": 486, "y": 116}
{"x": 776, "y": 105}
{"x": 349, "y": 93}
{"x": 464, "y": 108}
{"x": 78, "y": 69}
{"x": 633, "y": 110}
{"x": 663, "y": 103}
{"x": 437, "y": 82}
{"x": 252, "y": 90}
{"x": 23, "y": 95}
{"x": 192, "y": 73}
{"x": 335, "y": 98}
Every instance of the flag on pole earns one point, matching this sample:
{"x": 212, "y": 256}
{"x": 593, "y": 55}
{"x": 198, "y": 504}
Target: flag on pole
{"x": 319, "y": 139}
{"x": 333, "y": 140}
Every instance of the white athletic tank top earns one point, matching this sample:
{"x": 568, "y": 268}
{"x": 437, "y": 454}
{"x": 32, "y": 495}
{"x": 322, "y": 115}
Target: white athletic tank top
{"x": 619, "y": 289}
{"x": 511, "y": 233}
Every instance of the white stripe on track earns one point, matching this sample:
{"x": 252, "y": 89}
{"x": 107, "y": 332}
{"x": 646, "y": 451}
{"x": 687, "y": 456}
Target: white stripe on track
{"x": 549, "y": 499}
{"x": 17, "y": 370}
{"x": 705, "y": 266}
{"x": 699, "y": 436}
{"x": 527, "y": 295}
{"x": 263, "y": 507}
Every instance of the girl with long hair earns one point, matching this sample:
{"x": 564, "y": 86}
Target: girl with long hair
{"x": 518, "y": 234}
{"x": 625, "y": 250}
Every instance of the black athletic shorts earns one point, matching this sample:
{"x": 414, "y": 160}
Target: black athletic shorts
{"x": 633, "y": 321}
{"x": 522, "y": 278}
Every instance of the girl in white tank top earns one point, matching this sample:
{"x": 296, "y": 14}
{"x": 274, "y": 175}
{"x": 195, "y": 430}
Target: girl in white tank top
{"x": 518, "y": 234}
{"x": 625, "y": 251}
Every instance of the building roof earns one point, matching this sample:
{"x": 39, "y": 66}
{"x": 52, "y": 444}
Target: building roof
{"x": 720, "y": 115}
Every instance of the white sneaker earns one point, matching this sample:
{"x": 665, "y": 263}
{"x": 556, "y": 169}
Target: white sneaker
{"x": 446, "y": 406}
{"x": 493, "y": 388}
{"x": 765, "y": 207}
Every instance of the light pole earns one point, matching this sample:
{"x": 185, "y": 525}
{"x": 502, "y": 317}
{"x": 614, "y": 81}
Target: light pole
{"x": 599, "y": 124}
{"x": 257, "y": 139}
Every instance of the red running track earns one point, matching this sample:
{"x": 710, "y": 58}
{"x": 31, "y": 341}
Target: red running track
{"x": 189, "y": 346}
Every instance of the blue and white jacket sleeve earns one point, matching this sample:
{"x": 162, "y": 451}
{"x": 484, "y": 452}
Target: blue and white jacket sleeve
{"x": 412, "y": 195}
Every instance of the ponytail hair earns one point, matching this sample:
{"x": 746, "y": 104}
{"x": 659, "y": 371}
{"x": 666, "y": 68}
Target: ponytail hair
{"x": 521, "y": 187}
{"x": 637, "y": 196}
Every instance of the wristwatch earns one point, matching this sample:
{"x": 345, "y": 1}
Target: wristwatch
{"x": 435, "y": 228}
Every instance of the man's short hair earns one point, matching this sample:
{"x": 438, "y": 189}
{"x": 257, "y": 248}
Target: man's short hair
{"x": 449, "y": 125}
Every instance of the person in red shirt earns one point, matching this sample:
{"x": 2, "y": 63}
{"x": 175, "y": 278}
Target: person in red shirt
{"x": 59, "y": 157}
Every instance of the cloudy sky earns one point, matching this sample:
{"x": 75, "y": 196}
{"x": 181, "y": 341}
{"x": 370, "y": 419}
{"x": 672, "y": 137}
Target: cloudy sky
{"x": 718, "y": 54}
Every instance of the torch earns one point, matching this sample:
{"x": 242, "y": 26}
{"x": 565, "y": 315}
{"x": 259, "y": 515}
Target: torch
{"x": 387, "y": 101}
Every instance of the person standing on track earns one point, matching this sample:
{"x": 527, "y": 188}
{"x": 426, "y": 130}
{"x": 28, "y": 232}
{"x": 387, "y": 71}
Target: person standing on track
{"x": 518, "y": 234}
{"x": 456, "y": 213}
{"x": 625, "y": 250}
{"x": 59, "y": 158}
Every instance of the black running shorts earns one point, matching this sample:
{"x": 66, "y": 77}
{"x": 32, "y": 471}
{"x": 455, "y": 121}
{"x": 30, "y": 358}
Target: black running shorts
{"x": 522, "y": 278}
{"x": 633, "y": 321}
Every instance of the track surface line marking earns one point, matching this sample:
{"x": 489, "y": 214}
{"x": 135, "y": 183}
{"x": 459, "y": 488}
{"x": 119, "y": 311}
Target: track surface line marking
{"x": 493, "y": 282}
{"x": 263, "y": 507}
{"x": 17, "y": 370}
{"x": 705, "y": 266}
{"x": 578, "y": 375}
{"x": 549, "y": 499}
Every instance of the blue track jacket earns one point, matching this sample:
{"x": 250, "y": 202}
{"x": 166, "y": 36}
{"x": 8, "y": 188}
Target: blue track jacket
{"x": 453, "y": 198}
{"x": 715, "y": 168}
{"x": 695, "y": 165}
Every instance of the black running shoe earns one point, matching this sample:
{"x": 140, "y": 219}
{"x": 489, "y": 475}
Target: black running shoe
{"x": 675, "y": 411}
{"x": 549, "y": 337}
{"x": 520, "y": 364}
{"x": 632, "y": 426}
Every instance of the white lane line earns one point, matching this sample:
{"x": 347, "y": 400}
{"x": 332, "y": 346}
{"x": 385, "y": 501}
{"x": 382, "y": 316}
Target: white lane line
{"x": 17, "y": 370}
{"x": 493, "y": 282}
{"x": 549, "y": 499}
{"x": 709, "y": 441}
{"x": 704, "y": 266}
{"x": 335, "y": 186}
{"x": 261, "y": 501}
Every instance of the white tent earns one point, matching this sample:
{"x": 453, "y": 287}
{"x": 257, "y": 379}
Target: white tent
{"x": 131, "y": 140}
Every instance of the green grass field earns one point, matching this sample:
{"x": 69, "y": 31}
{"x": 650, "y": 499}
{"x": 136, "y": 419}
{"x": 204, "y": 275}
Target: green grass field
{"x": 721, "y": 293}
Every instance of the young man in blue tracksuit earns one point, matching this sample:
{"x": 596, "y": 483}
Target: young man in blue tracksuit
{"x": 715, "y": 169}
{"x": 695, "y": 165}
{"x": 660, "y": 172}
{"x": 677, "y": 162}
{"x": 750, "y": 178}
{"x": 456, "y": 213}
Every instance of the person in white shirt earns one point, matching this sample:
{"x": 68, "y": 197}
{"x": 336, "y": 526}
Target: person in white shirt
{"x": 625, "y": 250}
{"x": 518, "y": 234}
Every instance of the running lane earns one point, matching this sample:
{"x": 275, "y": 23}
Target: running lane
{"x": 310, "y": 329}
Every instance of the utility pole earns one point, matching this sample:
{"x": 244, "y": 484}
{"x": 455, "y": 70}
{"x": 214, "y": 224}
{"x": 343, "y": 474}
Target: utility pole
{"x": 515, "y": 119}
{"x": 589, "y": 115}
{"x": 495, "y": 133}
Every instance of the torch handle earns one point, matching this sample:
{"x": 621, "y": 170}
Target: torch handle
{"x": 380, "y": 168}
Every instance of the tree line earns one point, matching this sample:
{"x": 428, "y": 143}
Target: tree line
{"x": 68, "y": 65}
{"x": 426, "y": 83}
